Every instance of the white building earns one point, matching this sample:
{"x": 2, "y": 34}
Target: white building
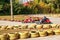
{"x": 24, "y": 1}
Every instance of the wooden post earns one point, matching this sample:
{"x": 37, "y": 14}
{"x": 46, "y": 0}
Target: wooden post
{"x": 12, "y": 16}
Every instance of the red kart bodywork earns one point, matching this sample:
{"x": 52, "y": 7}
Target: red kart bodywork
{"x": 47, "y": 21}
{"x": 29, "y": 20}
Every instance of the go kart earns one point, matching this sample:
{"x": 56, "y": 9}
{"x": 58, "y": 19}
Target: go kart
{"x": 37, "y": 20}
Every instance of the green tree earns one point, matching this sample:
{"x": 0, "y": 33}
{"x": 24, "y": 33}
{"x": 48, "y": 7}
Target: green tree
{"x": 57, "y": 2}
{"x": 36, "y": 1}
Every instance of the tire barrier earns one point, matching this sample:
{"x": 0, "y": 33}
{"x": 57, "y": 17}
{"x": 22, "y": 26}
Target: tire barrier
{"x": 46, "y": 26}
{"x": 29, "y": 34}
{"x": 10, "y": 27}
{"x": 39, "y": 26}
{"x": 42, "y": 33}
{"x": 50, "y": 32}
{"x": 57, "y": 31}
{"x": 31, "y": 26}
{"x": 13, "y": 36}
{"x": 54, "y": 25}
{"x": 24, "y": 26}
{"x": 34, "y": 34}
{"x": 3, "y": 27}
{"x": 4, "y": 36}
{"x": 24, "y": 35}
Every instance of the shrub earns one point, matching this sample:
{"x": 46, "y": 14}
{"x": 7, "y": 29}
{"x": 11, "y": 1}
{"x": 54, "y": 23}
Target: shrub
{"x": 57, "y": 10}
{"x": 6, "y": 9}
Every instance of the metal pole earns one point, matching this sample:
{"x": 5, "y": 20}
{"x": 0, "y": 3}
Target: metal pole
{"x": 12, "y": 16}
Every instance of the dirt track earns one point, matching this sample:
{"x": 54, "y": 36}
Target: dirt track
{"x": 54, "y": 20}
{"x": 54, "y": 37}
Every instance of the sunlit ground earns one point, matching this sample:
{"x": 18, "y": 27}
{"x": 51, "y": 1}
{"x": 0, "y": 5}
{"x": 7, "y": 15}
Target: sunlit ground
{"x": 21, "y": 17}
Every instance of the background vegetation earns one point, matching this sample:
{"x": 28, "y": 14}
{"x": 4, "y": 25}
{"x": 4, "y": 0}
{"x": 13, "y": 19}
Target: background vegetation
{"x": 33, "y": 7}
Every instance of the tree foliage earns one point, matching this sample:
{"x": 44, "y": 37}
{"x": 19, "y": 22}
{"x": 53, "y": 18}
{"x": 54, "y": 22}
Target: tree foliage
{"x": 33, "y": 7}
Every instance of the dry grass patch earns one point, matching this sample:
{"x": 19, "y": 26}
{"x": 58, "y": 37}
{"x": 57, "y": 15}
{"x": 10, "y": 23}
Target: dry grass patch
{"x": 16, "y": 17}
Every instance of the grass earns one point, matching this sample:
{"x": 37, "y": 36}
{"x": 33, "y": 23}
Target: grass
{"x": 22, "y": 17}
{"x": 16, "y": 17}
